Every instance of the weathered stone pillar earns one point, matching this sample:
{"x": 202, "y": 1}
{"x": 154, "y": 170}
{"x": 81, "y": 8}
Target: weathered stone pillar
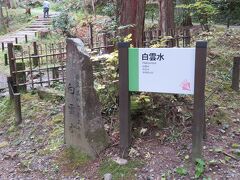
{"x": 84, "y": 128}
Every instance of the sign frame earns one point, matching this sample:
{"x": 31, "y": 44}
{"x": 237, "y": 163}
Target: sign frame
{"x": 198, "y": 120}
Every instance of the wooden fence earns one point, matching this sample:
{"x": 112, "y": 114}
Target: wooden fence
{"x": 36, "y": 65}
{"x": 106, "y": 42}
{"x": 174, "y": 37}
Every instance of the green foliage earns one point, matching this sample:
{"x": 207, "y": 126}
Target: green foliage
{"x": 58, "y": 86}
{"x": 181, "y": 171}
{"x": 152, "y": 11}
{"x": 6, "y": 109}
{"x": 108, "y": 9}
{"x": 66, "y": 5}
{"x": 199, "y": 168}
{"x": 76, "y": 157}
{"x": 119, "y": 171}
{"x": 183, "y": 15}
{"x": 203, "y": 10}
{"x": 64, "y": 22}
{"x": 161, "y": 43}
{"x": 107, "y": 83}
{"x": 229, "y": 11}
{"x": 16, "y": 19}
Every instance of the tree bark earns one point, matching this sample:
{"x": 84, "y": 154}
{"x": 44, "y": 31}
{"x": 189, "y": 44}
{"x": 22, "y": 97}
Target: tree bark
{"x": 132, "y": 13}
{"x": 128, "y": 18}
{"x": 140, "y": 23}
{"x": 166, "y": 15}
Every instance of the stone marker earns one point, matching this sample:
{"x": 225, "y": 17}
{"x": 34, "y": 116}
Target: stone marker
{"x": 108, "y": 176}
{"x": 84, "y": 128}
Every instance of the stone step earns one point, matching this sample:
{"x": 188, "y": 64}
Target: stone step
{"x": 38, "y": 26}
{"x": 41, "y": 24}
{"x": 37, "y": 29}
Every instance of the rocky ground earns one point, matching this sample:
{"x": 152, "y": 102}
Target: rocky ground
{"x": 35, "y": 149}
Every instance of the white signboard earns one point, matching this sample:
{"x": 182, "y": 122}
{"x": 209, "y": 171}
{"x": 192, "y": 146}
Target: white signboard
{"x": 164, "y": 70}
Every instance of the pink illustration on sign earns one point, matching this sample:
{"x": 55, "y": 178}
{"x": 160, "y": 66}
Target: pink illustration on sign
{"x": 186, "y": 86}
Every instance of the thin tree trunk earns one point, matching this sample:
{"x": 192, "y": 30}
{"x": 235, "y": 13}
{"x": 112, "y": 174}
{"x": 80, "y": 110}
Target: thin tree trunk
{"x": 128, "y": 17}
{"x": 140, "y": 23}
{"x": 2, "y": 22}
{"x": 166, "y": 15}
{"x": 93, "y": 6}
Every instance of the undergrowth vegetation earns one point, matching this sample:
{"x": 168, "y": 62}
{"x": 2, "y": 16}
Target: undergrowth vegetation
{"x": 17, "y": 19}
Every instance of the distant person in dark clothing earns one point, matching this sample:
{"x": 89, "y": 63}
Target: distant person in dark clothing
{"x": 46, "y": 6}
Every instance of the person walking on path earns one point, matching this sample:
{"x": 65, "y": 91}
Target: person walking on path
{"x": 46, "y": 6}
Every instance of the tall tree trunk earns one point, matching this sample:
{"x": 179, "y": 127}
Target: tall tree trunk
{"x": 93, "y": 7}
{"x": 132, "y": 13}
{"x": 128, "y": 17}
{"x": 166, "y": 15}
{"x": 140, "y": 23}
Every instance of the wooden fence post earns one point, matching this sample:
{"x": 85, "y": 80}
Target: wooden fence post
{"x": 173, "y": 34}
{"x": 177, "y": 38}
{"x": 26, "y": 38}
{"x": 21, "y": 77}
{"x": 235, "y": 73}
{"x": 17, "y": 105}
{"x": 150, "y": 35}
{"x": 187, "y": 36}
{"x": 104, "y": 42}
{"x": 10, "y": 87}
{"x": 144, "y": 39}
{"x": 64, "y": 123}
{"x": 3, "y": 46}
{"x": 5, "y": 59}
{"x": 90, "y": 36}
{"x": 11, "y": 62}
{"x": 35, "y": 53}
{"x": 124, "y": 99}
{"x": 199, "y": 100}
{"x": 55, "y": 73}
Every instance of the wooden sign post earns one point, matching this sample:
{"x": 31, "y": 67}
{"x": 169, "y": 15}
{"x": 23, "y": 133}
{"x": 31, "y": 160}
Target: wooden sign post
{"x": 150, "y": 70}
{"x": 124, "y": 99}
